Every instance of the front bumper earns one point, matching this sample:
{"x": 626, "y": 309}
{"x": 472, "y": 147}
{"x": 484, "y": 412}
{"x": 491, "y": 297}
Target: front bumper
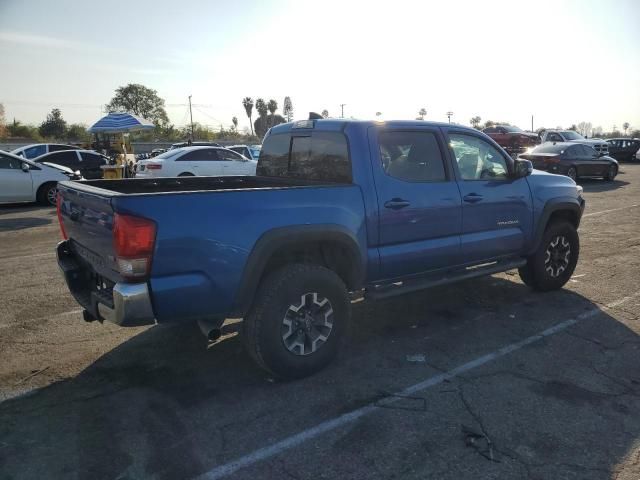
{"x": 125, "y": 304}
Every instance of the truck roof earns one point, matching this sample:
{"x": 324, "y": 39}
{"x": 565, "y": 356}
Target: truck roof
{"x": 341, "y": 123}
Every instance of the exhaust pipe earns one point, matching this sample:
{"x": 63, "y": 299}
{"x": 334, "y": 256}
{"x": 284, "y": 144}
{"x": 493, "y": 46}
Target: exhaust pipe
{"x": 210, "y": 329}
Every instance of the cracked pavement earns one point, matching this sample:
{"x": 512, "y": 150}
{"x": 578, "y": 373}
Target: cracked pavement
{"x": 93, "y": 401}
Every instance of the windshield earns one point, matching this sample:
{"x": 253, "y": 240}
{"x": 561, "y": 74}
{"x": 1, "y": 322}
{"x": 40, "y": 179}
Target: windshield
{"x": 571, "y": 135}
{"x": 512, "y": 129}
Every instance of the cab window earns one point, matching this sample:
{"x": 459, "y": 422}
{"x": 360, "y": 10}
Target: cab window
{"x": 477, "y": 159}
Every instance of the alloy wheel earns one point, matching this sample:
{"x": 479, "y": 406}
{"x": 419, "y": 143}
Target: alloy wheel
{"x": 557, "y": 256}
{"x": 306, "y": 326}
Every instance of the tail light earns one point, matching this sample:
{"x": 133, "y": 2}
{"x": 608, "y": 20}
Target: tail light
{"x": 59, "y": 212}
{"x": 153, "y": 166}
{"x": 133, "y": 241}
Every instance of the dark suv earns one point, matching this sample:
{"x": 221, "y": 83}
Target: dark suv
{"x": 88, "y": 162}
{"x": 623, "y": 149}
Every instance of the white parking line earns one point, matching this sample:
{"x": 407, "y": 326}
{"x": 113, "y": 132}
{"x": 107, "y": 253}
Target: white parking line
{"x": 608, "y": 211}
{"x": 329, "y": 425}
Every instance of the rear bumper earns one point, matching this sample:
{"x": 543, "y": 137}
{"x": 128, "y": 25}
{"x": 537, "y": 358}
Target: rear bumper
{"x": 125, "y": 304}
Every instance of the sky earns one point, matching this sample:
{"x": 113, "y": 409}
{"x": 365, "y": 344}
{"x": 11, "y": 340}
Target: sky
{"x": 561, "y": 61}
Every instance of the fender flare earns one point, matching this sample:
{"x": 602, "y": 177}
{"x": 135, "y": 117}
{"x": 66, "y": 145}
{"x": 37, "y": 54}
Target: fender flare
{"x": 574, "y": 206}
{"x": 273, "y": 240}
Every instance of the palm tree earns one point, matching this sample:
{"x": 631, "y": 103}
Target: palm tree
{"x": 247, "y": 103}
{"x": 272, "y": 106}
{"x": 422, "y": 113}
{"x": 625, "y": 127}
{"x": 234, "y": 120}
{"x": 475, "y": 121}
{"x": 325, "y": 113}
{"x": 261, "y": 107}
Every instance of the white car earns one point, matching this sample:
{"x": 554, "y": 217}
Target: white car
{"x": 252, "y": 152}
{"x": 196, "y": 161}
{"x": 599, "y": 145}
{"x": 22, "y": 180}
{"x": 38, "y": 149}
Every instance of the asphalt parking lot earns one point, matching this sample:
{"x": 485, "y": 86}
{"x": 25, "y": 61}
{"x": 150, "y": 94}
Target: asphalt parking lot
{"x": 482, "y": 379}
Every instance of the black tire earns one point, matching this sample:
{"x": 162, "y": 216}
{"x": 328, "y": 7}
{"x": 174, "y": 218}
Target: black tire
{"x": 186, "y": 174}
{"x": 265, "y": 327}
{"x": 612, "y": 171}
{"x": 47, "y": 194}
{"x": 572, "y": 173}
{"x": 551, "y": 266}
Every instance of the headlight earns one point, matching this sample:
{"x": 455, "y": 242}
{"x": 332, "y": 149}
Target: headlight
{"x": 580, "y": 190}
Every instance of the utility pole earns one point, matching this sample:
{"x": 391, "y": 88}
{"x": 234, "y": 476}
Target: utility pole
{"x": 532, "y": 123}
{"x": 191, "y": 116}
{"x": 449, "y": 115}
{"x": 342, "y": 110}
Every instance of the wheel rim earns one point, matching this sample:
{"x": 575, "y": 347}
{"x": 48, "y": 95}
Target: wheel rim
{"x": 557, "y": 256}
{"x": 52, "y": 195}
{"x": 572, "y": 173}
{"x": 306, "y": 326}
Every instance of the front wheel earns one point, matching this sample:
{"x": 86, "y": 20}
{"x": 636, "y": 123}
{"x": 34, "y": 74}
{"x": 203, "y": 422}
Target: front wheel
{"x": 612, "y": 171}
{"x": 552, "y": 265}
{"x": 298, "y": 320}
{"x": 48, "y": 194}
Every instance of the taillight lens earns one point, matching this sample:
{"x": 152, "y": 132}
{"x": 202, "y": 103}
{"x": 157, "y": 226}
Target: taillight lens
{"x": 59, "y": 212}
{"x": 153, "y": 166}
{"x": 133, "y": 241}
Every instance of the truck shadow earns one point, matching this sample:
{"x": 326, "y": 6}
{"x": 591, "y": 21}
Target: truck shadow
{"x": 9, "y": 224}
{"x": 163, "y": 405}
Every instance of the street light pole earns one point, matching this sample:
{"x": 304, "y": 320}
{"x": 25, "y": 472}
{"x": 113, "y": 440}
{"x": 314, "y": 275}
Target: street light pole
{"x": 449, "y": 115}
{"x": 342, "y": 110}
{"x": 191, "y": 116}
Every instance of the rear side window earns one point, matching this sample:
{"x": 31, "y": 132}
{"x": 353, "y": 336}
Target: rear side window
{"x": 200, "y": 155}
{"x": 92, "y": 159}
{"x": 66, "y": 159}
{"x": 35, "y": 151}
{"x": 323, "y": 156}
{"x": 412, "y": 156}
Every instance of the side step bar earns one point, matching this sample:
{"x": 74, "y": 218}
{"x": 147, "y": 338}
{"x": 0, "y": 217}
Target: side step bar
{"x": 413, "y": 285}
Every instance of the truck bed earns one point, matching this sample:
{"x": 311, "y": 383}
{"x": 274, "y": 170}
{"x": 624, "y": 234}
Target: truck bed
{"x": 138, "y": 186}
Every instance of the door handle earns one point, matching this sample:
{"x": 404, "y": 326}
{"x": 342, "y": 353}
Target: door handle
{"x": 472, "y": 198}
{"x": 396, "y": 203}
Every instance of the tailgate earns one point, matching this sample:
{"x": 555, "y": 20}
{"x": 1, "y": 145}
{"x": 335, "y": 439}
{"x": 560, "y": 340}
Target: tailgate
{"x": 87, "y": 218}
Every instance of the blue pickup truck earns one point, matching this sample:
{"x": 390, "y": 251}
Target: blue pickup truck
{"x": 336, "y": 207}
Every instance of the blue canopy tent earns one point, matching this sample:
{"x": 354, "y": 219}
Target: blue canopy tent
{"x": 112, "y": 137}
{"x": 120, "y": 123}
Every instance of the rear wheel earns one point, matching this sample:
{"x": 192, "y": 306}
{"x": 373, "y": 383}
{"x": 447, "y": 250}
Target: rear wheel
{"x": 48, "y": 194}
{"x": 612, "y": 171}
{"x": 298, "y": 320}
{"x": 572, "y": 173}
{"x": 552, "y": 265}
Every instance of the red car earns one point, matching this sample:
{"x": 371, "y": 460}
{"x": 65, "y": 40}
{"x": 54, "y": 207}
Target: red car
{"x": 512, "y": 138}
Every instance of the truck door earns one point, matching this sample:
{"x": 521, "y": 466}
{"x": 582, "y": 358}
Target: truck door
{"x": 497, "y": 211}
{"x": 419, "y": 203}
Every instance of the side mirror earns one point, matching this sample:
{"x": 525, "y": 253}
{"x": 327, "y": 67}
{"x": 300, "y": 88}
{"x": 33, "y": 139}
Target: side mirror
{"x": 25, "y": 167}
{"x": 522, "y": 168}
